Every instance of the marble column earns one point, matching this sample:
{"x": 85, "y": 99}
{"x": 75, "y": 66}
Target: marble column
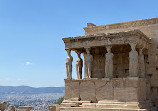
{"x": 109, "y": 62}
{"x": 133, "y": 61}
{"x": 69, "y": 61}
{"x": 79, "y": 65}
{"x": 141, "y": 64}
{"x": 88, "y": 63}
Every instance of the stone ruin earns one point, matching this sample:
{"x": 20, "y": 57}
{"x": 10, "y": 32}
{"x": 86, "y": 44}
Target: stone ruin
{"x": 120, "y": 68}
{"x": 3, "y": 106}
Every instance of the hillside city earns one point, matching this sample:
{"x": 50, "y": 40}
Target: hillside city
{"x": 39, "y": 102}
{"x": 39, "y": 98}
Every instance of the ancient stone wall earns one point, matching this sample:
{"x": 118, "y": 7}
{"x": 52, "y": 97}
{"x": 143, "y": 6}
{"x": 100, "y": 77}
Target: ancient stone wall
{"x": 121, "y": 89}
{"x": 120, "y": 61}
{"x": 150, "y": 28}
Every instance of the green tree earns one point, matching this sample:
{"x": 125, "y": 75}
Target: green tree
{"x": 60, "y": 100}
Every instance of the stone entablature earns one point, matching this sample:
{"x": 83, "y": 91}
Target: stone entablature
{"x": 103, "y": 39}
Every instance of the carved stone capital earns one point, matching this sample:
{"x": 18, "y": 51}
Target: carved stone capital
{"x": 141, "y": 51}
{"x": 133, "y": 45}
{"x": 88, "y": 50}
{"x": 78, "y": 52}
{"x": 108, "y": 48}
{"x": 108, "y": 41}
{"x": 68, "y": 50}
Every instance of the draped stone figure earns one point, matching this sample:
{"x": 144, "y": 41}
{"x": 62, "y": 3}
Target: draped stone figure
{"x": 148, "y": 86}
{"x": 88, "y": 60}
{"x": 141, "y": 64}
{"x": 133, "y": 61}
{"x": 85, "y": 66}
{"x": 109, "y": 63}
{"x": 69, "y": 61}
{"x": 79, "y": 65}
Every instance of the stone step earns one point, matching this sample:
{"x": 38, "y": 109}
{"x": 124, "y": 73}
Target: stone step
{"x": 88, "y": 105}
{"x": 80, "y": 102}
{"x": 112, "y": 105}
{"x": 118, "y": 102}
{"x": 135, "y": 105}
{"x": 131, "y": 106}
{"x": 69, "y": 105}
{"x": 100, "y": 109}
{"x": 109, "y": 101}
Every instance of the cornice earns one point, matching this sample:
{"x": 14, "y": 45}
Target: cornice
{"x": 137, "y": 23}
{"x": 103, "y": 36}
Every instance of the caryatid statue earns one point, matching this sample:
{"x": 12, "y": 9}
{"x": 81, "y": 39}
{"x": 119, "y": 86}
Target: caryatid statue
{"x": 109, "y": 62}
{"x": 79, "y": 65}
{"x": 133, "y": 61}
{"x": 69, "y": 61}
{"x": 141, "y": 63}
{"x": 85, "y": 66}
{"x": 89, "y": 60}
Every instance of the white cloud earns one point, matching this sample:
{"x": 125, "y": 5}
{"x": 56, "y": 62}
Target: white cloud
{"x": 28, "y": 63}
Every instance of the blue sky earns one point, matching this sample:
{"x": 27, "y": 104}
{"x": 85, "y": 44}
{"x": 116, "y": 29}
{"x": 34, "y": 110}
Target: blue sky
{"x": 31, "y": 31}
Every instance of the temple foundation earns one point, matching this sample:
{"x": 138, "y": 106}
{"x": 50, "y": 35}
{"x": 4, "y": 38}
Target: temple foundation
{"x": 118, "y": 93}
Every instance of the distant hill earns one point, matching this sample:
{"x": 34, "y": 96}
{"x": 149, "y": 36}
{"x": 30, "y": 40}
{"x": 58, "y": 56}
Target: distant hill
{"x": 29, "y": 90}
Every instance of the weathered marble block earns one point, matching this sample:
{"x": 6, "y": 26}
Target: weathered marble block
{"x": 24, "y": 108}
{"x": 11, "y": 108}
{"x": 53, "y": 107}
{"x": 71, "y": 90}
{"x": 125, "y": 94}
{"x": 87, "y": 91}
{"x": 121, "y": 89}
{"x": 104, "y": 90}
